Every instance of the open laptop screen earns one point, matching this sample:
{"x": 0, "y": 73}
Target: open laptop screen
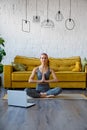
{"x": 18, "y": 98}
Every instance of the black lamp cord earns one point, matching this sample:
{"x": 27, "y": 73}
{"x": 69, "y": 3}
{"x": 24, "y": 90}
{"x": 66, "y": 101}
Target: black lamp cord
{"x": 47, "y": 9}
{"x": 70, "y": 11}
{"x": 26, "y": 10}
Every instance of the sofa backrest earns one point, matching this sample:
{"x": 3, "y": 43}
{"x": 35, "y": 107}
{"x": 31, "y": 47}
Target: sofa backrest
{"x": 28, "y": 61}
{"x": 66, "y": 64}
{"x": 57, "y": 64}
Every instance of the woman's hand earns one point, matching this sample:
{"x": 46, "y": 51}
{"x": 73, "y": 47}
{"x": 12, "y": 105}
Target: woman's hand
{"x": 43, "y": 78}
{"x": 54, "y": 79}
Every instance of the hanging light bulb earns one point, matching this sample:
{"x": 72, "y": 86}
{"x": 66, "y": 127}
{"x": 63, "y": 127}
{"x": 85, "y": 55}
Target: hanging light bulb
{"x": 47, "y": 23}
{"x": 36, "y": 19}
{"x": 59, "y": 15}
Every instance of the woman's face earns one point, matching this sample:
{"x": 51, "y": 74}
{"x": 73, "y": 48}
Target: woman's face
{"x": 44, "y": 59}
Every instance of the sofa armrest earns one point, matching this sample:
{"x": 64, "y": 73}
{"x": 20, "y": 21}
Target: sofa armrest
{"x": 86, "y": 68}
{"x": 7, "y": 70}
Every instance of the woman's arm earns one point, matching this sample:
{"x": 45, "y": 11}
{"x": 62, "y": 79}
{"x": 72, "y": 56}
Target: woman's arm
{"x": 32, "y": 77}
{"x": 54, "y": 77}
{"x": 43, "y": 80}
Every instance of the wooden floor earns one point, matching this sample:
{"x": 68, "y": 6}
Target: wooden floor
{"x": 47, "y": 114}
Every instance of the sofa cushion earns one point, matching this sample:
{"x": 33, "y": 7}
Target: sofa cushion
{"x": 77, "y": 67}
{"x": 21, "y": 75}
{"x": 19, "y": 66}
{"x": 62, "y": 76}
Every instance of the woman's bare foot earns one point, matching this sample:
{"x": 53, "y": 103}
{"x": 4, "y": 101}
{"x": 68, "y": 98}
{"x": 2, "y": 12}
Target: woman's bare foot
{"x": 43, "y": 95}
{"x": 50, "y": 96}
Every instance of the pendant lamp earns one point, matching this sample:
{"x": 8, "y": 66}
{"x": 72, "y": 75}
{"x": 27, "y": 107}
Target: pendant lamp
{"x": 69, "y": 23}
{"x": 47, "y": 23}
{"x": 59, "y": 15}
{"x": 36, "y": 18}
{"x": 25, "y": 22}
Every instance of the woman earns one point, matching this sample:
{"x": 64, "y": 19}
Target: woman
{"x": 43, "y": 73}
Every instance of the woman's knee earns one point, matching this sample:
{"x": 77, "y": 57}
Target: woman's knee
{"x": 58, "y": 90}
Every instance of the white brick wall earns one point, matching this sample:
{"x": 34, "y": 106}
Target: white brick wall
{"x": 57, "y": 42}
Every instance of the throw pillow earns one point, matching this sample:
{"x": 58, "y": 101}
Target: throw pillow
{"x": 77, "y": 67}
{"x": 19, "y": 66}
{"x": 84, "y": 62}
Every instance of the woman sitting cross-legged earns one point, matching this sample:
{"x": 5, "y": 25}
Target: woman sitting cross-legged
{"x": 43, "y": 72}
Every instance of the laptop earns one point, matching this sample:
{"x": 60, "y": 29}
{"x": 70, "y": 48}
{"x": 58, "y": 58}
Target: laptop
{"x": 18, "y": 98}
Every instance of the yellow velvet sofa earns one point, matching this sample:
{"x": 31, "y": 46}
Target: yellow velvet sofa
{"x": 68, "y": 71}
